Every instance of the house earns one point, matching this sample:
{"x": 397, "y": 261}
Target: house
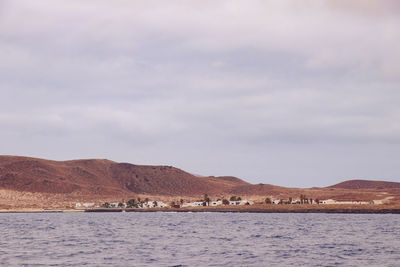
{"x": 380, "y": 202}
{"x": 161, "y": 204}
{"x": 88, "y": 205}
{"x": 276, "y": 201}
{"x": 245, "y": 202}
{"x": 78, "y": 205}
{"x": 332, "y": 201}
{"x": 216, "y": 203}
{"x": 328, "y": 201}
{"x": 149, "y": 204}
{"x": 193, "y": 204}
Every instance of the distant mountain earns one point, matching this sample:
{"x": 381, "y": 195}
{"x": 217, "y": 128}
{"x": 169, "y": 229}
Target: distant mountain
{"x": 105, "y": 177}
{"x": 101, "y": 178}
{"x": 365, "y": 184}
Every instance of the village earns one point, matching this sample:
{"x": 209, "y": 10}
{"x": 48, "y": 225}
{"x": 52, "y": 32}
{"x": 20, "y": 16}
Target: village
{"x": 207, "y": 202}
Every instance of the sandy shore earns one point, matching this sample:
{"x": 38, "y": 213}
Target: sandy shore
{"x": 38, "y": 210}
{"x": 355, "y": 209}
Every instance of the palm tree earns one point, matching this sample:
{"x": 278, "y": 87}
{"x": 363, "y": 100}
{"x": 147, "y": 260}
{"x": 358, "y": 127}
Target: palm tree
{"x": 206, "y": 200}
{"x": 302, "y": 198}
{"x": 131, "y": 203}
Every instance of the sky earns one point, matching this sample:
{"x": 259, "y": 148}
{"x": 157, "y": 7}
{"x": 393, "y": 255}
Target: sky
{"x": 291, "y": 93}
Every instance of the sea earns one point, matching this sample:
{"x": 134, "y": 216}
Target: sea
{"x": 199, "y": 239}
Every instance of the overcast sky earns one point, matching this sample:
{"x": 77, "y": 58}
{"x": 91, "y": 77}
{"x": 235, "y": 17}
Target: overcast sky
{"x": 291, "y": 93}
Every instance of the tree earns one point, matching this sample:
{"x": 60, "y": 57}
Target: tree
{"x": 181, "y": 201}
{"x": 268, "y": 200}
{"x": 238, "y": 198}
{"x": 131, "y": 203}
{"x": 120, "y": 205}
{"x": 225, "y": 202}
{"x": 302, "y": 198}
{"x": 155, "y": 203}
{"x": 290, "y": 200}
{"x": 146, "y": 199}
{"x": 233, "y": 198}
{"x": 206, "y": 200}
{"x": 138, "y": 199}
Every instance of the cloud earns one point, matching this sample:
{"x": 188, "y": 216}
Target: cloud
{"x": 272, "y": 91}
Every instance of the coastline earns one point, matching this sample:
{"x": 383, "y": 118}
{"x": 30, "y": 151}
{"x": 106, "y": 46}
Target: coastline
{"x": 338, "y": 209}
{"x": 250, "y": 210}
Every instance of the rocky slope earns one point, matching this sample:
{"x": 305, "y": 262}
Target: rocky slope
{"x": 99, "y": 176}
{"x": 99, "y": 179}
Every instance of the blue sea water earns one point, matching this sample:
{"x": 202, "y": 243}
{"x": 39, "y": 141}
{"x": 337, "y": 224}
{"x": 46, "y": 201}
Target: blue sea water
{"x": 199, "y": 239}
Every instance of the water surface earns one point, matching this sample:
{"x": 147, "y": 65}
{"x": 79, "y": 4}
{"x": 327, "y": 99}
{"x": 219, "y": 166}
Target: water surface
{"x": 199, "y": 239}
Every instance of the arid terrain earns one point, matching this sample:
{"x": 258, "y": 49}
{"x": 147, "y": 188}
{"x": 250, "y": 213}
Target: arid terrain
{"x": 38, "y": 183}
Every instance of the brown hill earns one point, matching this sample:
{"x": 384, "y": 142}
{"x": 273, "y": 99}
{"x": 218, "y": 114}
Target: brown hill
{"x": 99, "y": 176}
{"x": 32, "y": 182}
{"x": 365, "y": 184}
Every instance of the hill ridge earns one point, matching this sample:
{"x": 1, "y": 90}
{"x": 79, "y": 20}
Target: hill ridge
{"x": 102, "y": 176}
{"x": 365, "y": 184}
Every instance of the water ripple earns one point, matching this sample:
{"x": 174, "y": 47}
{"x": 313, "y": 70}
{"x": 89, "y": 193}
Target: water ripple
{"x": 199, "y": 239}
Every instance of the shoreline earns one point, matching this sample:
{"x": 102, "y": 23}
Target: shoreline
{"x": 249, "y": 210}
{"x": 255, "y": 209}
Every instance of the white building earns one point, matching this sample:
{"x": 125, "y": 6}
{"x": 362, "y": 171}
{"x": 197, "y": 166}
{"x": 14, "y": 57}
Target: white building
{"x": 332, "y": 201}
{"x": 149, "y": 204}
{"x": 88, "y": 205}
{"x": 78, "y": 205}
{"x": 380, "y": 201}
{"x": 246, "y": 202}
{"x": 276, "y": 201}
{"x": 216, "y": 203}
{"x": 162, "y": 204}
{"x": 192, "y": 204}
{"x": 328, "y": 201}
